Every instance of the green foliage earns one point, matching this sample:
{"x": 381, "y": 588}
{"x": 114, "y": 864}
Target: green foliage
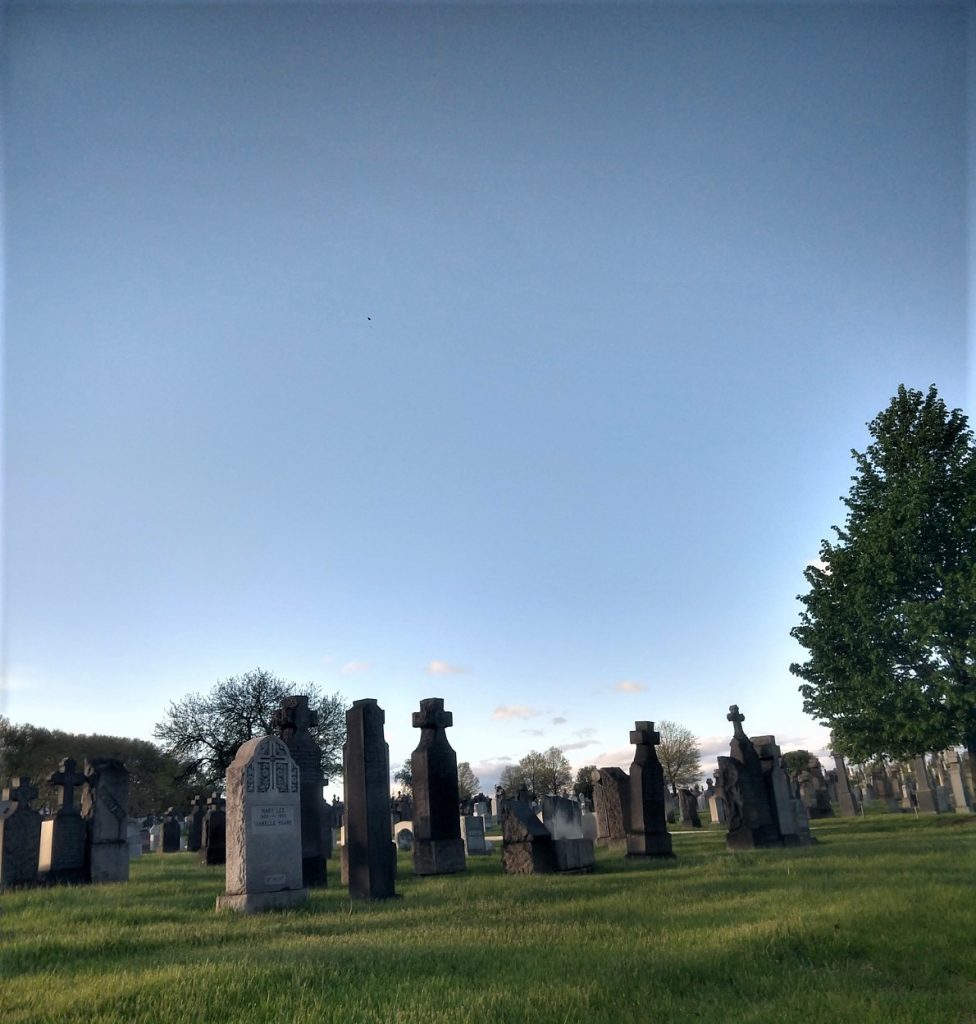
{"x": 204, "y": 731}
{"x": 403, "y": 776}
{"x": 796, "y": 761}
{"x": 539, "y": 773}
{"x": 824, "y": 933}
{"x": 889, "y": 622}
{"x": 583, "y": 785}
{"x": 155, "y": 778}
{"x": 468, "y": 783}
{"x": 679, "y": 754}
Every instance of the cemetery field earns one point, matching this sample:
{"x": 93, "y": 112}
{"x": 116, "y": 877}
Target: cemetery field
{"x": 873, "y": 924}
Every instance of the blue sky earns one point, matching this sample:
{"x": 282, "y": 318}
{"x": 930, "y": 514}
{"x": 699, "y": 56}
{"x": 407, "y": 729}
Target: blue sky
{"x": 508, "y": 354}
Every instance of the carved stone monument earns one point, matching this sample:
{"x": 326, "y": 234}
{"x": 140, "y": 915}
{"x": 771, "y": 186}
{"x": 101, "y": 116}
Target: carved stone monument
{"x": 688, "y": 801}
{"x": 171, "y": 832}
{"x": 527, "y": 847}
{"x": 751, "y": 816}
{"x": 293, "y": 720}
{"x": 194, "y": 834}
{"x": 846, "y": 797}
{"x": 611, "y": 805}
{"x": 368, "y": 854}
{"x": 438, "y": 848}
{"x": 62, "y": 854}
{"x": 924, "y": 793}
{"x": 213, "y": 838}
{"x": 104, "y": 807}
{"x": 20, "y": 835}
{"x": 956, "y": 782}
{"x": 648, "y": 835}
{"x": 263, "y": 829}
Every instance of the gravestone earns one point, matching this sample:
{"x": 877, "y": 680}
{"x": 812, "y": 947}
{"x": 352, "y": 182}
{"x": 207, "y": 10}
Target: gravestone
{"x": 648, "y": 835}
{"x": 133, "y": 839}
{"x": 611, "y": 805}
{"x": 957, "y": 786}
{"x": 562, "y": 817}
{"x": 789, "y": 811}
{"x": 156, "y": 838}
{"x": 438, "y": 848}
{"x": 589, "y": 825}
{"x": 194, "y": 832}
{"x": 293, "y": 720}
{"x": 104, "y": 806}
{"x": 526, "y": 844}
{"x": 262, "y": 828}
{"x": 171, "y": 832}
{"x": 846, "y": 797}
{"x": 751, "y": 816}
{"x": 473, "y": 835}
{"x": 368, "y": 854}
{"x": 716, "y": 803}
{"x": 813, "y": 790}
{"x": 213, "y": 834}
{"x": 62, "y": 853}
{"x": 924, "y": 794}
{"x": 689, "y": 808}
{"x": 20, "y": 835}
{"x": 403, "y": 835}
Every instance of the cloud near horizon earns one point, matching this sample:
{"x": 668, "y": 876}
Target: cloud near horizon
{"x": 354, "y": 667}
{"x": 577, "y": 745}
{"x": 630, "y": 686}
{"x": 444, "y": 668}
{"x": 559, "y": 720}
{"x": 505, "y": 712}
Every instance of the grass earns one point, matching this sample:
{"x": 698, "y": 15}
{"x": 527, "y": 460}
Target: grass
{"x": 874, "y": 923}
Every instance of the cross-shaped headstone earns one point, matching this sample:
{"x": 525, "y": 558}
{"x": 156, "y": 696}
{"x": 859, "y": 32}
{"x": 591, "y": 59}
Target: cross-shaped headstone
{"x": 64, "y": 780}
{"x": 215, "y": 802}
{"x": 294, "y": 714}
{"x": 432, "y": 715}
{"x": 198, "y": 802}
{"x": 736, "y": 719}
{"x": 21, "y": 791}
{"x": 644, "y": 734}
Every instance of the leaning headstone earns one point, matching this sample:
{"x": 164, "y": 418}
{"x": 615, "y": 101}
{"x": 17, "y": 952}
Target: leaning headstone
{"x": 194, "y": 833}
{"x": 368, "y": 854}
{"x": 20, "y": 835}
{"x": 611, "y": 804}
{"x": 956, "y": 785}
{"x": 562, "y": 817}
{"x": 104, "y": 806}
{"x": 62, "y": 853}
{"x": 438, "y": 848}
{"x": 526, "y": 843}
{"x": 213, "y": 834}
{"x": 924, "y": 794}
{"x": 751, "y": 816}
{"x": 689, "y": 808}
{"x": 846, "y": 797}
{"x": 790, "y": 811}
{"x": 473, "y": 835}
{"x": 292, "y": 721}
{"x": 171, "y": 832}
{"x": 813, "y": 790}
{"x": 263, "y": 829}
{"x": 648, "y": 835}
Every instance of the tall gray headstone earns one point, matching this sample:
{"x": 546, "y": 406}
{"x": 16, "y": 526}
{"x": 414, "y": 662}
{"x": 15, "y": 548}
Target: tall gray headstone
{"x": 846, "y": 797}
{"x": 20, "y": 835}
{"x": 104, "y": 807}
{"x": 62, "y": 853}
{"x": 213, "y": 841}
{"x": 438, "y": 848}
{"x": 924, "y": 794}
{"x": 368, "y": 854}
{"x": 263, "y": 829}
{"x": 751, "y": 814}
{"x": 611, "y": 805}
{"x": 956, "y": 783}
{"x": 648, "y": 835}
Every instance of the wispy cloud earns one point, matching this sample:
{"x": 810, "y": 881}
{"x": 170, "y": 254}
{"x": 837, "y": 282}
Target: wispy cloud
{"x": 578, "y": 745}
{"x": 443, "y": 668}
{"x": 352, "y": 668}
{"x": 504, "y": 712}
{"x": 533, "y": 732}
{"x": 630, "y": 686}
{"x": 585, "y": 733}
{"x": 559, "y": 720}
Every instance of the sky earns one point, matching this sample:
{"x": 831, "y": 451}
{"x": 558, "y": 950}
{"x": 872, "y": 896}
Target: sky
{"x": 510, "y": 354}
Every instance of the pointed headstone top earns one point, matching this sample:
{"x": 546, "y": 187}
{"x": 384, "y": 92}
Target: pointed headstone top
{"x": 736, "y": 718}
{"x": 432, "y": 715}
{"x": 644, "y": 735}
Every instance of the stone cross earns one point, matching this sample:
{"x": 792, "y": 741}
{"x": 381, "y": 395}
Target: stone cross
{"x": 432, "y": 715}
{"x": 644, "y": 734}
{"x": 295, "y": 714}
{"x": 736, "y": 719}
{"x": 21, "y": 791}
{"x": 65, "y": 780}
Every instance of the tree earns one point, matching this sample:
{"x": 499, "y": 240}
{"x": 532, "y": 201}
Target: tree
{"x": 155, "y": 778}
{"x": 539, "y": 773}
{"x": 889, "y": 621}
{"x": 468, "y": 783}
{"x": 796, "y": 761}
{"x": 403, "y": 776}
{"x": 679, "y": 754}
{"x": 583, "y": 786}
{"x": 204, "y": 731}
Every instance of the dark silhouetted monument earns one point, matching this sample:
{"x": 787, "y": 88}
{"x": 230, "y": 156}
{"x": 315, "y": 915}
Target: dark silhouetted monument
{"x": 213, "y": 834}
{"x": 438, "y": 848}
{"x": 611, "y": 805}
{"x": 748, "y": 805}
{"x": 105, "y": 808}
{"x": 20, "y": 835}
{"x": 648, "y": 835}
{"x": 368, "y": 854}
{"x": 62, "y": 856}
{"x": 194, "y": 834}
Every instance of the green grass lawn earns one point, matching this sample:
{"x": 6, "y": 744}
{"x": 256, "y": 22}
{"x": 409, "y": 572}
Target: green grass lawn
{"x": 874, "y": 923}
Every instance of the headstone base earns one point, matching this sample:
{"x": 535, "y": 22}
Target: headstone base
{"x": 108, "y": 862}
{"x": 535, "y": 857}
{"x": 749, "y": 839}
{"x": 257, "y": 902}
{"x": 62, "y": 853}
{"x": 574, "y": 854}
{"x": 438, "y": 856}
{"x": 649, "y": 844}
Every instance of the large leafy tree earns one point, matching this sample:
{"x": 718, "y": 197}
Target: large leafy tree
{"x": 679, "y": 754}
{"x": 205, "y": 730}
{"x": 468, "y": 783}
{"x": 889, "y": 621}
{"x": 538, "y": 772}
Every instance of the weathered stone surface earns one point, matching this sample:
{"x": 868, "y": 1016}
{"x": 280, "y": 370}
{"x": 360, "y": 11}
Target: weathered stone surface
{"x": 573, "y": 854}
{"x": 20, "y": 835}
{"x": 473, "y": 835}
{"x": 263, "y": 829}
{"x": 438, "y": 847}
{"x": 689, "y": 808}
{"x": 751, "y": 816}
{"x": 527, "y": 847}
{"x": 957, "y": 787}
{"x": 924, "y": 794}
{"x": 292, "y": 720}
{"x": 846, "y": 797}
{"x": 104, "y": 807}
{"x": 789, "y": 811}
{"x": 368, "y": 855}
{"x": 562, "y": 817}
{"x": 611, "y": 805}
{"x": 648, "y": 835}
